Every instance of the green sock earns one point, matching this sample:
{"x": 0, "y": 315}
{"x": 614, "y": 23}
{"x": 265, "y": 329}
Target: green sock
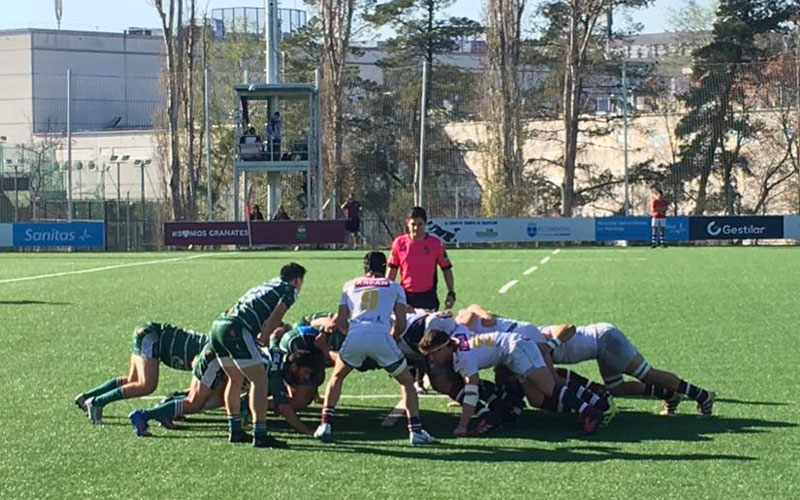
{"x": 108, "y": 385}
{"x": 260, "y": 429}
{"x": 170, "y": 409}
{"x": 108, "y": 397}
{"x": 234, "y": 424}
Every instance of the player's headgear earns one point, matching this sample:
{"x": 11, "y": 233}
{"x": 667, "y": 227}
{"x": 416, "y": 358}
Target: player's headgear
{"x": 375, "y": 262}
{"x": 433, "y": 340}
{"x": 303, "y": 359}
{"x": 293, "y": 270}
{"x": 418, "y": 213}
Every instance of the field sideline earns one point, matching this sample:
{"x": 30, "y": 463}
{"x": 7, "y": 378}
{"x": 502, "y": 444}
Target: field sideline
{"x": 726, "y": 318}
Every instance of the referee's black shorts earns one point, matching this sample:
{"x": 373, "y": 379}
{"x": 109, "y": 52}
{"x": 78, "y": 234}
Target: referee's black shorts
{"x": 423, "y": 300}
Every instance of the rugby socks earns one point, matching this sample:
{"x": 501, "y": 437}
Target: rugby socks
{"x": 697, "y": 393}
{"x": 571, "y": 402}
{"x": 234, "y": 424}
{"x": 260, "y": 429}
{"x": 414, "y": 424}
{"x": 168, "y": 410}
{"x": 654, "y": 238}
{"x": 108, "y": 397}
{"x": 108, "y": 385}
{"x": 657, "y": 392}
{"x": 588, "y": 396}
{"x": 327, "y": 415}
{"x": 571, "y": 376}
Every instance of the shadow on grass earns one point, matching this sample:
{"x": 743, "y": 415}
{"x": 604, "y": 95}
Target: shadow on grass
{"x": 751, "y": 403}
{"x": 33, "y": 303}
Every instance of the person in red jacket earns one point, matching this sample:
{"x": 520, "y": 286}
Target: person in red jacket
{"x": 416, "y": 255}
{"x": 658, "y": 221}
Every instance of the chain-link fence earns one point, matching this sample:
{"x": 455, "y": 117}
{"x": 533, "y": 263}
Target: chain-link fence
{"x": 716, "y": 139}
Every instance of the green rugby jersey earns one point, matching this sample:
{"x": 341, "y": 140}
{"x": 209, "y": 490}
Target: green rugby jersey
{"x": 302, "y": 339}
{"x": 178, "y": 347}
{"x": 255, "y": 306}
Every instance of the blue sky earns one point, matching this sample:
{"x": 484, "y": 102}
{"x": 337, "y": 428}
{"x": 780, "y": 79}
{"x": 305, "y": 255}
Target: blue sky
{"x": 99, "y": 15}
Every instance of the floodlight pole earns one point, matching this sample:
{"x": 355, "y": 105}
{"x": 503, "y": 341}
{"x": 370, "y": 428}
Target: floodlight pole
{"x": 69, "y": 145}
{"x": 625, "y": 131}
{"x": 208, "y": 149}
{"x": 273, "y": 76}
{"x": 422, "y": 136}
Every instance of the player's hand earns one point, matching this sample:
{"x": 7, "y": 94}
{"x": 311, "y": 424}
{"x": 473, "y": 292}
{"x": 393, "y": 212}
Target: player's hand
{"x": 563, "y": 332}
{"x": 450, "y": 300}
{"x": 329, "y": 326}
{"x": 461, "y": 430}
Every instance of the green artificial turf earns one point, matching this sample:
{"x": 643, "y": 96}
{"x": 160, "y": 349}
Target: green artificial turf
{"x": 724, "y": 318}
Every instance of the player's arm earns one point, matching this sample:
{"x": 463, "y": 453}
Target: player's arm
{"x": 394, "y": 262}
{"x": 274, "y": 321}
{"x": 468, "y": 404}
{"x": 341, "y": 320}
{"x": 290, "y": 415}
{"x": 321, "y": 343}
{"x": 399, "y": 325}
{"x": 559, "y": 335}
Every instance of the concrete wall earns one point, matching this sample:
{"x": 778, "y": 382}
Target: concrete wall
{"x": 16, "y": 108}
{"x": 115, "y": 85}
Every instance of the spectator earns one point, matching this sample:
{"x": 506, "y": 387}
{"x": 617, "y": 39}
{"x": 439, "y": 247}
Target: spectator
{"x": 416, "y": 255}
{"x": 274, "y": 134}
{"x": 352, "y": 210}
{"x": 250, "y": 137}
{"x": 281, "y": 214}
{"x": 658, "y": 221}
{"x": 255, "y": 213}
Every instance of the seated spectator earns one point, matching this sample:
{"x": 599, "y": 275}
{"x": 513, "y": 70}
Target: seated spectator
{"x": 281, "y": 214}
{"x": 255, "y": 213}
{"x": 250, "y": 137}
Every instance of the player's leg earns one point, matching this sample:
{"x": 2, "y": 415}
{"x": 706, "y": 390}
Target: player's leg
{"x": 143, "y": 381}
{"x": 525, "y": 359}
{"x": 107, "y": 386}
{"x": 333, "y": 392}
{"x": 653, "y": 231}
{"x": 658, "y": 382}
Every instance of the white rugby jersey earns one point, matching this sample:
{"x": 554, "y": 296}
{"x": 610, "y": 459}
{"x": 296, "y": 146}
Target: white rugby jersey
{"x": 477, "y": 351}
{"x": 508, "y": 325}
{"x": 371, "y": 300}
{"x": 581, "y": 347}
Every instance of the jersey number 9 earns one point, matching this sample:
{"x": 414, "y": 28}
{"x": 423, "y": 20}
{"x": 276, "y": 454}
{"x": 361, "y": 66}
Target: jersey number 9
{"x": 369, "y": 300}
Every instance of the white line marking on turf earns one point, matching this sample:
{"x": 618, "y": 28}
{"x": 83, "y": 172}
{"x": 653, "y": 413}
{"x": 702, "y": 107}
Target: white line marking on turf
{"x": 398, "y": 411}
{"x": 530, "y": 270}
{"x": 556, "y": 251}
{"x": 508, "y": 286}
{"x": 346, "y": 396}
{"x": 104, "y": 268}
{"x": 545, "y": 260}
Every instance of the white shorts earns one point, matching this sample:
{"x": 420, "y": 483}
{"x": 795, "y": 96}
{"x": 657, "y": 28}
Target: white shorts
{"x": 524, "y": 358}
{"x": 365, "y": 342}
{"x": 658, "y": 222}
{"x": 614, "y": 350}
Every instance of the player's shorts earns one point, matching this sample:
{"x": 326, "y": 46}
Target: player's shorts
{"x": 145, "y": 340}
{"x": 207, "y": 369}
{"x": 530, "y": 331}
{"x": 524, "y": 357}
{"x": 658, "y": 222}
{"x": 233, "y": 343}
{"x": 614, "y": 350}
{"x": 353, "y": 225}
{"x": 364, "y": 342}
{"x": 423, "y": 300}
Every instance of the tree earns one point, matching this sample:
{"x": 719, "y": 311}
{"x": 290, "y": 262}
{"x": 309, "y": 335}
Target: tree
{"x": 504, "y": 34}
{"x": 173, "y": 29}
{"x": 717, "y": 122}
{"x": 572, "y": 25}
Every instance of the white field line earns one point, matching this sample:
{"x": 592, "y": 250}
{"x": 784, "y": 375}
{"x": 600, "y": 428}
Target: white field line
{"x": 505, "y": 288}
{"x": 600, "y": 259}
{"x": 556, "y": 251}
{"x": 530, "y": 270}
{"x": 104, "y": 268}
{"x": 344, "y": 396}
{"x": 545, "y": 260}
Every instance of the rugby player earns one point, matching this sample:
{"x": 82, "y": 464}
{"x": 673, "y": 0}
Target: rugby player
{"x": 471, "y": 352}
{"x": 365, "y": 311}
{"x": 658, "y": 218}
{"x": 322, "y": 344}
{"x": 153, "y": 343}
{"x": 617, "y": 356}
{"x": 207, "y": 382}
{"x": 235, "y": 336}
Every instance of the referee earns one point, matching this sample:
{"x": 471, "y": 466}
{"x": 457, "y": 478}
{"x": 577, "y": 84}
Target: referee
{"x": 416, "y": 255}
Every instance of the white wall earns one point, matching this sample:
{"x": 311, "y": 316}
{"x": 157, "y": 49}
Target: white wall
{"x": 15, "y": 82}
